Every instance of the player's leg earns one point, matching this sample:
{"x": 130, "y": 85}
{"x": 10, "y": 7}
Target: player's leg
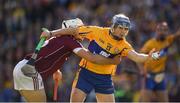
{"x": 146, "y": 95}
{"x": 77, "y": 95}
{"x": 147, "y": 89}
{"x": 162, "y": 96}
{"x": 161, "y": 92}
{"x": 104, "y": 88}
{"x": 29, "y": 87}
{"x": 34, "y": 95}
{"x": 105, "y": 97}
{"x": 81, "y": 87}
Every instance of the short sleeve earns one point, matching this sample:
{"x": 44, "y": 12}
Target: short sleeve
{"x": 73, "y": 44}
{"x": 87, "y": 32}
{"x": 127, "y": 47}
{"x": 147, "y": 47}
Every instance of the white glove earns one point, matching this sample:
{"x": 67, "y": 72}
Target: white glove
{"x": 29, "y": 70}
{"x": 155, "y": 55}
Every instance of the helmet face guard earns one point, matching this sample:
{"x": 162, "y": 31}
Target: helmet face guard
{"x": 121, "y": 20}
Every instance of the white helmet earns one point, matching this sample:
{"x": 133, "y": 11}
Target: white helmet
{"x": 72, "y": 23}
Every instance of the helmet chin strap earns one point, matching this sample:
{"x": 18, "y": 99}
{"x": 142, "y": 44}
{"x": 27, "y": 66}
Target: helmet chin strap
{"x": 114, "y": 36}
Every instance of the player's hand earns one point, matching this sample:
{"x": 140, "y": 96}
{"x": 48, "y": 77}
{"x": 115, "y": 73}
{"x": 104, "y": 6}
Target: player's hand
{"x": 57, "y": 76}
{"x": 117, "y": 59}
{"x": 29, "y": 70}
{"x": 154, "y": 55}
{"x": 45, "y": 34}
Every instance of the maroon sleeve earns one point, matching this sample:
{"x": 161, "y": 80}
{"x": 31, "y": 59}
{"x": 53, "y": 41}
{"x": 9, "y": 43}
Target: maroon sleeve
{"x": 28, "y": 56}
{"x": 73, "y": 44}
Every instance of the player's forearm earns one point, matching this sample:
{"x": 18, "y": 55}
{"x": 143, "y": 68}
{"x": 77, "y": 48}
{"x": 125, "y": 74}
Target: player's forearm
{"x": 141, "y": 58}
{"x": 138, "y": 57}
{"x": 66, "y": 31}
{"x": 97, "y": 59}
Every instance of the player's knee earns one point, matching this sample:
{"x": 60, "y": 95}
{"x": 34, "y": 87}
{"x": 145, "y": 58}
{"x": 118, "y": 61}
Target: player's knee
{"x": 105, "y": 97}
{"x": 77, "y": 95}
{"x": 34, "y": 96}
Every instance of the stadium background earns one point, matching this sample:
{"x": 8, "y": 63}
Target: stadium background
{"x": 20, "y": 27}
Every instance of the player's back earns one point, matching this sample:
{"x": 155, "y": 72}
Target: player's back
{"x": 53, "y": 54}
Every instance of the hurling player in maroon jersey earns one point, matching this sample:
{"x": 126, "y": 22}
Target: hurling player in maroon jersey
{"x": 51, "y": 57}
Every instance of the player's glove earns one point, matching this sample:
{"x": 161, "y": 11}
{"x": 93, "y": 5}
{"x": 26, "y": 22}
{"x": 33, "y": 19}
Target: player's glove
{"x": 29, "y": 70}
{"x": 46, "y": 34}
{"x": 155, "y": 55}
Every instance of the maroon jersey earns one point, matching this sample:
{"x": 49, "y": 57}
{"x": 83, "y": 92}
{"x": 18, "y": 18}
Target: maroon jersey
{"x": 53, "y": 54}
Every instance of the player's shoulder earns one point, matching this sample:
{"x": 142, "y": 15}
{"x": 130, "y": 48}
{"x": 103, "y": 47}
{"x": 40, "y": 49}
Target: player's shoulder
{"x": 125, "y": 43}
{"x": 103, "y": 28}
{"x": 96, "y": 27}
{"x": 64, "y": 39}
{"x": 170, "y": 38}
{"x": 89, "y": 26}
{"x": 152, "y": 40}
{"x": 106, "y": 28}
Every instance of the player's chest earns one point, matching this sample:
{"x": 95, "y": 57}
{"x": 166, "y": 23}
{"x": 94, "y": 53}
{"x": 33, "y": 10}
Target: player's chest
{"x": 158, "y": 45}
{"x": 104, "y": 47}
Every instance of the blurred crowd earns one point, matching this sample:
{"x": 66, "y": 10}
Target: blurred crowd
{"x": 20, "y": 27}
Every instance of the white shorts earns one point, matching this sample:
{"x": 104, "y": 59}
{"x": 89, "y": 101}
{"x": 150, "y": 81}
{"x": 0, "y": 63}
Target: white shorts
{"x": 22, "y": 82}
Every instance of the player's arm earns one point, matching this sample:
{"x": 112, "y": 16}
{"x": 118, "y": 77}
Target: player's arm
{"x": 60, "y": 32}
{"x": 98, "y": 59}
{"x": 140, "y": 57}
{"x": 177, "y": 34}
{"x": 69, "y": 27}
{"x": 66, "y": 31}
{"x": 137, "y": 57}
